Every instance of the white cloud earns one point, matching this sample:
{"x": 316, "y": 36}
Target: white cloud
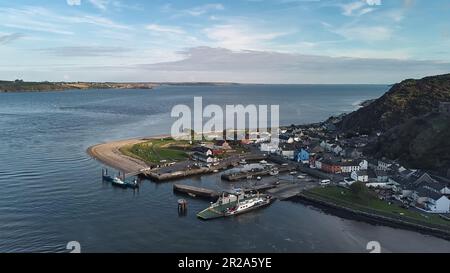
{"x": 165, "y": 29}
{"x": 365, "y": 33}
{"x": 360, "y": 7}
{"x": 240, "y": 37}
{"x": 73, "y": 2}
{"x": 373, "y": 2}
{"x": 100, "y": 4}
{"x": 200, "y": 10}
{"x": 349, "y": 8}
{"x": 194, "y": 11}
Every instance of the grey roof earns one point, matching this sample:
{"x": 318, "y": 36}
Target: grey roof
{"x": 425, "y": 192}
{"x": 201, "y": 149}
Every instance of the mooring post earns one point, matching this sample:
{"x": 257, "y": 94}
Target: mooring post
{"x": 182, "y": 206}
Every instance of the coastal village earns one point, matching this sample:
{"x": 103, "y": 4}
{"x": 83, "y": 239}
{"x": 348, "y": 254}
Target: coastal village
{"x": 321, "y": 162}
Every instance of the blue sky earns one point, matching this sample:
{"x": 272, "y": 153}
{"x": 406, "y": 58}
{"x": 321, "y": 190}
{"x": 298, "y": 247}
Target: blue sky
{"x": 272, "y": 41}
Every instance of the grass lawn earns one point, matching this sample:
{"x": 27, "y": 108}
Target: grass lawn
{"x": 371, "y": 204}
{"x": 155, "y": 151}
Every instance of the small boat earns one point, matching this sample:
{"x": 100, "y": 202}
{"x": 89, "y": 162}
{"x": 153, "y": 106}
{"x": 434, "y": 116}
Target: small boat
{"x": 123, "y": 184}
{"x": 234, "y": 203}
{"x": 263, "y": 162}
{"x": 301, "y": 177}
{"x": 294, "y": 172}
{"x": 258, "y": 178}
{"x": 118, "y": 181}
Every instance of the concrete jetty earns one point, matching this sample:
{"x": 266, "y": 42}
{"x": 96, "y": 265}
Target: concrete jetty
{"x": 232, "y": 177}
{"x": 196, "y": 191}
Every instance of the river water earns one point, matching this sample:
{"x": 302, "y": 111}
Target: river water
{"x": 51, "y": 192}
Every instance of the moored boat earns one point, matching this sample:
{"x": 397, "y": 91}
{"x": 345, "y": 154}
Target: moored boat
{"x": 234, "y": 203}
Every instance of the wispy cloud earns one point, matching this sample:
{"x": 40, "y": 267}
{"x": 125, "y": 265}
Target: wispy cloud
{"x": 241, "y": 36}
{"x": 200, "y": 10}
{"x": 43, "y": 20}
{"x": 100, "y": 4}
{"x": 85, "y": 51}
{"x": 365, "y": 33}
{"x": 9, "y": 38}
{"x": 73, "y": 2}
{"x": 165, "y": 29}
{"x": 193, "y": 11}
{"x": 360, "y": 7}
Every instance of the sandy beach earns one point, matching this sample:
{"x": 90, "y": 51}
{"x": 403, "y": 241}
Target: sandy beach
{"x": 110, "y": 155}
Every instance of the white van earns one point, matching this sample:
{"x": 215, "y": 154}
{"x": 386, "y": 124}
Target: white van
{"x": 325, "y": 182}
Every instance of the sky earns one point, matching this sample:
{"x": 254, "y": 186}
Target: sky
{"x": 246, "y": 41}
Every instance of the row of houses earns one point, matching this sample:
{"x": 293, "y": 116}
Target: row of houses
{"x": 426, "y": 192}
{"x": 344, "y": 156}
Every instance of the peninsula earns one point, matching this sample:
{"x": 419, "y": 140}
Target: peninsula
{"x": 45, "y": 86}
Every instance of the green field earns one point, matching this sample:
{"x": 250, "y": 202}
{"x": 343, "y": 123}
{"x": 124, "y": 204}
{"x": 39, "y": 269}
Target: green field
{"x": 155, "y": 151}
{"x": 371, "y": 204}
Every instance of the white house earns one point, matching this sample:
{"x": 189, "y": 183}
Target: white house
{"x": 383, "y": 185}
{"x": 350, "y": 167}
{"x": 269, "y": 148}
{"x": 204, "y": 158}
{"x": 442, "y": 205}
{"x": 360, "y": 176}
{"x": 445, "y": 191}
{"x": 384, "y": 165}
{"x": 364, "y": 164}
{"x": 288, "y": 153}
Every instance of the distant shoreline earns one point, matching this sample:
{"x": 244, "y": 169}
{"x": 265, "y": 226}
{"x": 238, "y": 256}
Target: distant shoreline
{"x": 19, "y": 86}
{"x": 25, "y": 87}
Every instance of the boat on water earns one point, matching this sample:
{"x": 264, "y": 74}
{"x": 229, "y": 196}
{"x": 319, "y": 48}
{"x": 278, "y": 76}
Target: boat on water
{"x": 125, "y": 184}
{"x": 118, "y": 181}
{"x": 234, "y": 203}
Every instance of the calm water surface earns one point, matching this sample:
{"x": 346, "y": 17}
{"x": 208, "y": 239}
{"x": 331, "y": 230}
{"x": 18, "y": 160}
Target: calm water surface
{"x": 51, "y": 192}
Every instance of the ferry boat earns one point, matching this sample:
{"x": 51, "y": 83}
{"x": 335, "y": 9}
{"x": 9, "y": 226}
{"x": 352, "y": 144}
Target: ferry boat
{"x": 234, "y": 203}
